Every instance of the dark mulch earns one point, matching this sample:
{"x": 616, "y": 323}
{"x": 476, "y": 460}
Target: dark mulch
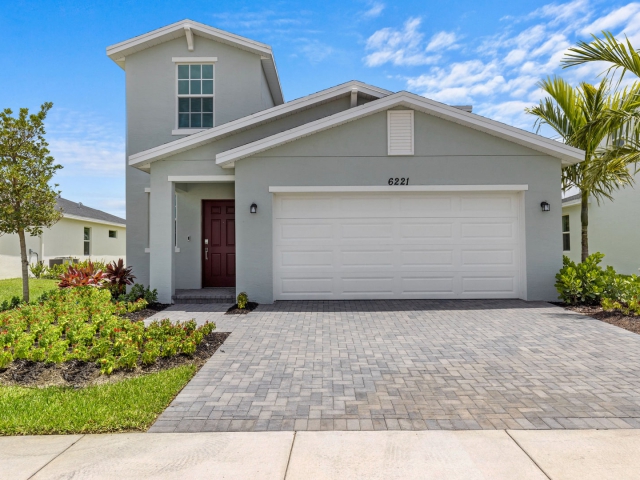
{"x": 614, "y": 318}
{"x": 81, "y": 374}
{"x": 234, "y": 310}
{"x": 147, "y": 312}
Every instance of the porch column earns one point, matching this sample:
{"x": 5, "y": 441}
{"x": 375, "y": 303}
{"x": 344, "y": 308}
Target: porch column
{"x": 161, "y": 235}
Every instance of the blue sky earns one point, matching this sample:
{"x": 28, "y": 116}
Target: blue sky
{"x": 486, "y": 53}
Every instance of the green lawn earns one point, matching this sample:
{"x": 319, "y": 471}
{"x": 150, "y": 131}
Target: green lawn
{"x": 13, "y": 287}
{"x": 128, "y": 405}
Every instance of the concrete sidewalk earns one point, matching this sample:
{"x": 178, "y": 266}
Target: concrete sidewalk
{"x": 495, "y": 454}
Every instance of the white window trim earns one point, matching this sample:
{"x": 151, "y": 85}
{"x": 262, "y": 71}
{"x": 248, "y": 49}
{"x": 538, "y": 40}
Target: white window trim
{"x": 188, "y": 61}
{"x": 109, "y": 234}
{"x": 194, "y": 59}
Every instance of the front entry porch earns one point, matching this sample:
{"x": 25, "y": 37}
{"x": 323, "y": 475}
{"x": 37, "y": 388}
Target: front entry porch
{"x": 205, "y": 295}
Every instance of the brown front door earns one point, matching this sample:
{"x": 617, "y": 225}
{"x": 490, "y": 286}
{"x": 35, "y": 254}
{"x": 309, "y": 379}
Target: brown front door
{"x": 218, "y": 243}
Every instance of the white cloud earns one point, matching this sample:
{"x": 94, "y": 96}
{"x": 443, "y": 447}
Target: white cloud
{"x": 314, "y": 50}
{"x": 499, "y": 73}
{"x": 614, "y": 19}
{"x": 85, "y": 145}
{"x": 442, "y": 40}
{"x": 375, "y": 10}
{"x": 399, "y": 47}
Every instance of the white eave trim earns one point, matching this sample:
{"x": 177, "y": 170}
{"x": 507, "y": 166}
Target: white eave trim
{"x": 568, "y": 155}
{"x": 201, "y": 178}
{"x": 400, "y": 189}
{"x": 146, "y": 157}
{"x": 92, "y": 220}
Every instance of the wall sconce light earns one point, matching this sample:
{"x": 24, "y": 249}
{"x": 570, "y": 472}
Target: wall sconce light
{"x": 253, "y": 208}
{"x": 545, "y": 206}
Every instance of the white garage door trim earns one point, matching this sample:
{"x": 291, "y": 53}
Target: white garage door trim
{"x": 338, "y": 278}
{"x": 407, "y": 188}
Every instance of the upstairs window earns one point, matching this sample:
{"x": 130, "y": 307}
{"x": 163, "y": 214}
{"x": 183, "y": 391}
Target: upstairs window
{"x": 113, "y": 234}
{"x": 566, "y": 235}
{"x": 195, "y": 96}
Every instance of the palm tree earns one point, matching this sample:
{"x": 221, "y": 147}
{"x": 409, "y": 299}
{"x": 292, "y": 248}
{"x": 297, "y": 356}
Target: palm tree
{"x": 575, "y": 114}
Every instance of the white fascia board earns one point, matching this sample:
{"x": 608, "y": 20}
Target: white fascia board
{"x": 568, "y": 155}
{"x": 201, "y": 178}
{"x": 144, "y": 158}
{"x": 176, "y": 30}
{"x": 407, "y": 188}
{"x": 92, "y": 220}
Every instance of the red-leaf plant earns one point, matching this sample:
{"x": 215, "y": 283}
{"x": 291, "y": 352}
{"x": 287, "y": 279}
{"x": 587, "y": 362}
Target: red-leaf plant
{"x": 118, "y": 276}
{"x": 82, "y": 276}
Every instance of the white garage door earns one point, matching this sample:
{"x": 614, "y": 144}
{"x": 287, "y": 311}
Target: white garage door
{"x": 397, "y": 245}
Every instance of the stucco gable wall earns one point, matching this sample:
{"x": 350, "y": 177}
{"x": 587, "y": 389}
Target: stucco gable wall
{"x": 433, "y": 137}
{"x": 151, "y": 88}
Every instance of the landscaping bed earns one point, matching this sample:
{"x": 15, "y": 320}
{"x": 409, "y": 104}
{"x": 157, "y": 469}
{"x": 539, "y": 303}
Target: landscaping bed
{"x": 619, "y": 319}
{"x": 146, "y": 312}
{"x": 79, "y": 374}
{"x": 235, "y": 310}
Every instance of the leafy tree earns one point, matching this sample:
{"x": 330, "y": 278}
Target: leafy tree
{"x": 27, "y": 200}
{"x": 575, "y": 114}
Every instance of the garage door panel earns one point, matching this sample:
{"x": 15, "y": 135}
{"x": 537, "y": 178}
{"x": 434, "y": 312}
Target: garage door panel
{"x": 367, "y": 258}
{"x": 382, "y": 285}
{"x": 487, "y": 230}
{"x": 306, "y": 286}
{"x": 426, "y": 229}
{"x": 488, "y": 284}
{"x": 368, "y": 230}
{"x": 493, "y": 257}
{"x": 424, "y": 257}
{"x": 416, "y": 245}
{"x": 306, "y": 258}
{"x": 428, "y": 285}
{"x": 305, "y": 231}
{"x": 488, "y": 205}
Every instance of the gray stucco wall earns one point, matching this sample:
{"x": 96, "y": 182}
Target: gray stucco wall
{"x": 151, "y": 104}
{"x": 356, "y": 154}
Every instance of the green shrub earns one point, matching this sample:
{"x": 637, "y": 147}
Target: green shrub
{"x": 243, "y": 299}
{"x": 54, "y": 272}
{"x": 8, "y": 305}
{"x": 581, "y": 283}
{"x": 137, "y": 292}
{"x": 83, "y": 323}
{"x": 38, "y": 269}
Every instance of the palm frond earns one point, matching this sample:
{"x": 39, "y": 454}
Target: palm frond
{"x": 608, "y": 49}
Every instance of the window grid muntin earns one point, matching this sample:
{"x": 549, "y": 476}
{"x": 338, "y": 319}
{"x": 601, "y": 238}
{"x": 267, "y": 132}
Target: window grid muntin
{"x": 195, "y": 95}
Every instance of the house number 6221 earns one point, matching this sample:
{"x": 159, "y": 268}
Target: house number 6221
{"x": 399, "y": 181}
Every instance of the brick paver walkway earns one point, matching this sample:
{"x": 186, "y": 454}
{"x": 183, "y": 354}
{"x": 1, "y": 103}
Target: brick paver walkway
{"x": 380, "y": 365}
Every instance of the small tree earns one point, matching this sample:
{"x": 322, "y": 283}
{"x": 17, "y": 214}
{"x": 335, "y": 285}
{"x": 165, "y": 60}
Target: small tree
{"x": 27, "y": 200}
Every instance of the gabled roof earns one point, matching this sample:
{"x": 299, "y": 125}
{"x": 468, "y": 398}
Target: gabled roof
{"x": 79, "y": 211}
{"x": 185, "y": 28}
{"x": 568, "y": 155}
{"x": 142, "y": 159}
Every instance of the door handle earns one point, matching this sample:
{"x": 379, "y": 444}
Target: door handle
{"x": 206, "y": 251}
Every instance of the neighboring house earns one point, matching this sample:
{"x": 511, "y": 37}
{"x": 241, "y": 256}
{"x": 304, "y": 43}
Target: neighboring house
{"x": 81, "y": 233}
{"x": 613, "y": 229}
{"x": 353, "y": 192}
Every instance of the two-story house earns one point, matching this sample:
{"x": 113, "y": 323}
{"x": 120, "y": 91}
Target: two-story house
{"x": 353, "y": 192}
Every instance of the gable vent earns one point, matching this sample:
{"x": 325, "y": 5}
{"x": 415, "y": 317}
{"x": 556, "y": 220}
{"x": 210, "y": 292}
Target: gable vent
{"x": 400, "y": 132}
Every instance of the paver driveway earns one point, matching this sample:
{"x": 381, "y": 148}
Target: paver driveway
{"x": 375, "y": 365}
